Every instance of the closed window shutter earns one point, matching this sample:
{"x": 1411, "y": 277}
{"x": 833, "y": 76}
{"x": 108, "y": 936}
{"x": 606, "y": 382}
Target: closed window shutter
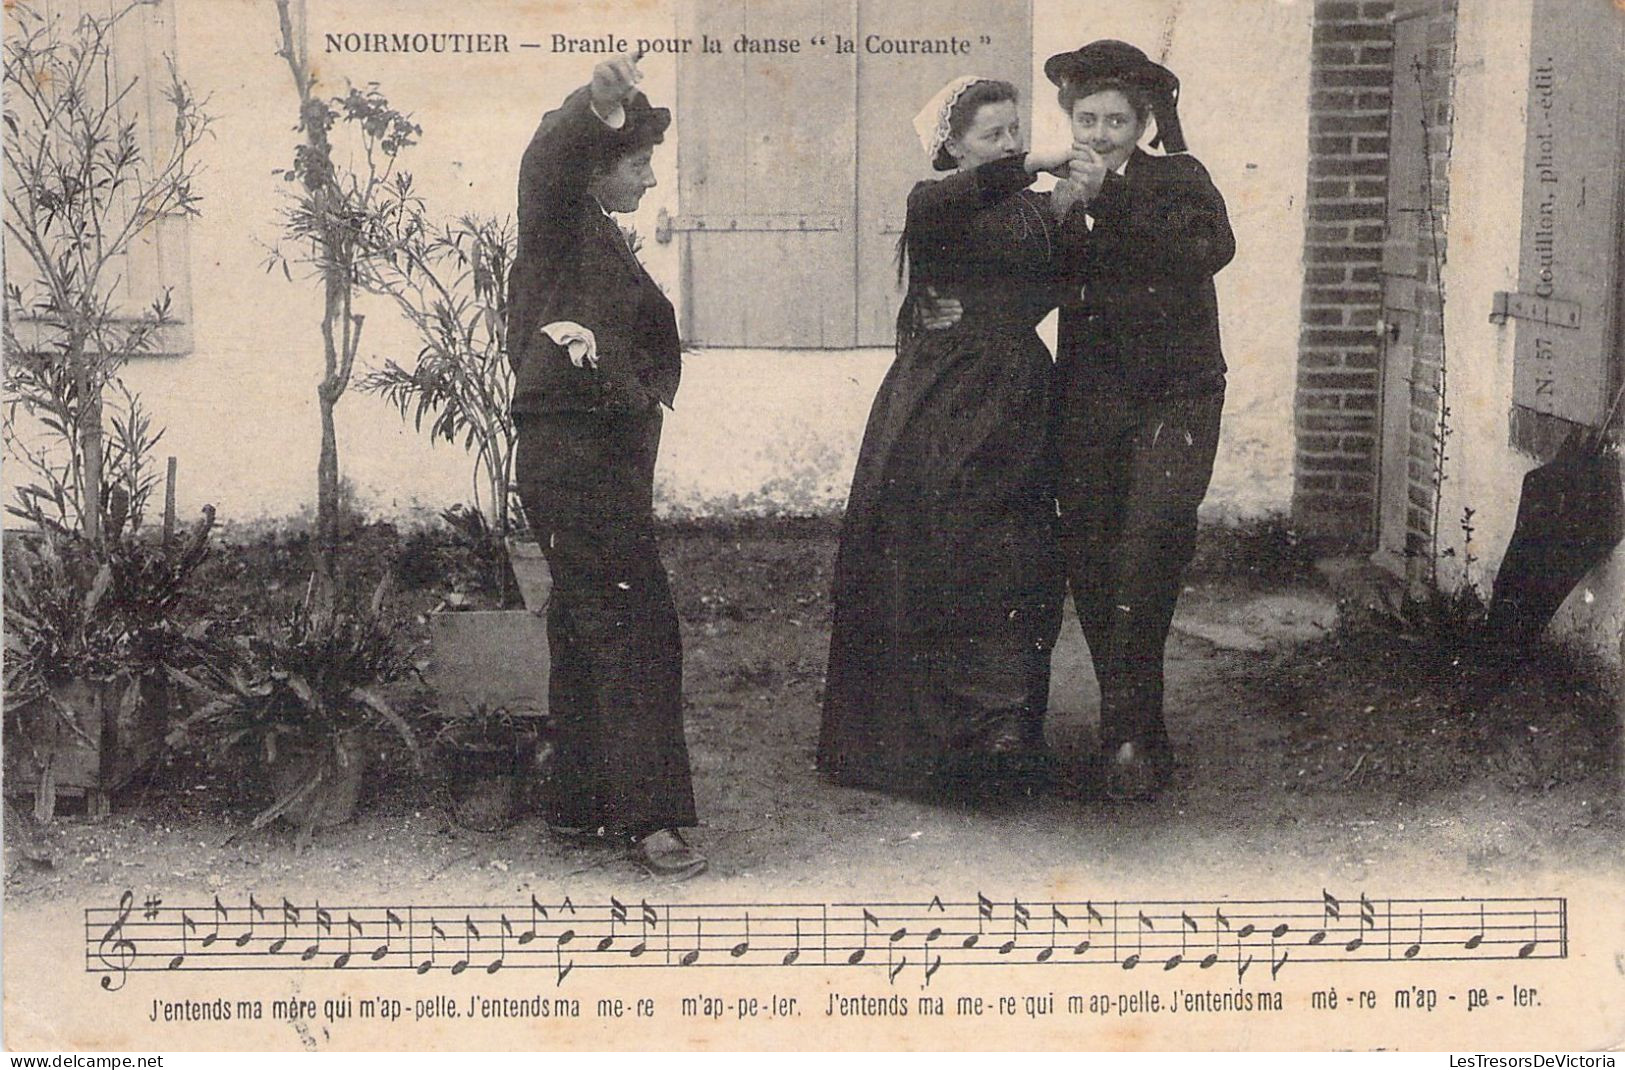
{"x": 157, "y": 261}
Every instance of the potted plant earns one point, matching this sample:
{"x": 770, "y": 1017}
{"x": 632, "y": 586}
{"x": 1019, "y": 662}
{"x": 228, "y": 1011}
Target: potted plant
{"x": 488, "y": 759}
{"x": 91, "y": 633}
{"x": 297, "y": 701}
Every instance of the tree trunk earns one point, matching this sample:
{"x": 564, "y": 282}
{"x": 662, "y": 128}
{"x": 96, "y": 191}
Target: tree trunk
{"x": 327, "y": 489}
{"x": 90, "y": 446}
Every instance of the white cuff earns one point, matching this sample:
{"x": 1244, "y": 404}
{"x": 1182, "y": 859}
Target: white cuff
{"x": 578, "y": 341}
{"x": 616, "y": 117}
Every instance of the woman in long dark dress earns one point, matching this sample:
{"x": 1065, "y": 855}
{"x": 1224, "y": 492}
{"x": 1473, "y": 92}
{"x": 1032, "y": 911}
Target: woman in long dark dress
{"x": 938, "y": 671}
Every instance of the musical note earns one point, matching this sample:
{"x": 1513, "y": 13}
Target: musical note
{"x": 1241, "y": 935}
{"x": 1186, "y": 922}
{"x": 436, "y": 934}
{"x": 931, "y": 966}
{"x": 794, "y": 953}
{"x": 1018, "y": 918}
{"x": 114, "y": 941}
{"x": 290, "y": 916}
{"x": 1055, "y": 918}
{"x": 857, "y": 956}
{"x": 617, "y": 914}
{"x": 470, "y": 934}
{"x": 1368, "y": 919}
{"x": 1478, "y": 937}
{"x": 1416, "y": 947}
{"x": 187, "y": 924}
{"x": 535, "y": 909}
{"x": 221, "y": 914}
{"x": 1139, "y": 937}
{"x": 504, "y": 931}
{"x": 984, "y": 914}
{"x": 646, "y": 920}
{"x": 1219, "y": 922}
{"x": 1529, "y": 949}
{"x": 1330, "y": 910}
{"x": 392, "y": 920}
{"x": 324, "y": 923}
{"x": 1094, "y": 920}
{"x": 739, "y": 949}
{"x": 352, "y": 929}
{"x": 691, "y": 957}
{"x": 255, "y": 913}
{"x": 561, "y": 969}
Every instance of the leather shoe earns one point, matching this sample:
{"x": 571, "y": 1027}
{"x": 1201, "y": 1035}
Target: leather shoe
{"x": 1132, "y": 774}
{"x": 576, "y": 833}
{"x": 667, "y": 854}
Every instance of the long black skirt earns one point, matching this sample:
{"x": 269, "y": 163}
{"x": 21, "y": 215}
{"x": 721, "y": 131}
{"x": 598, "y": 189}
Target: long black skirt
{"x": 946, "y": 567}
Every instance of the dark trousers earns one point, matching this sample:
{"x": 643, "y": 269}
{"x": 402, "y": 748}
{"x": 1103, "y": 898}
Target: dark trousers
{"x": 1131, "y": 474}
{"x": 615, "y": 693}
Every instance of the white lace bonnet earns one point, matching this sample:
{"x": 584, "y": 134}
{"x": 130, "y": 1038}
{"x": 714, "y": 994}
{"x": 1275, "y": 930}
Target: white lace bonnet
{"x": 932, "y": 122}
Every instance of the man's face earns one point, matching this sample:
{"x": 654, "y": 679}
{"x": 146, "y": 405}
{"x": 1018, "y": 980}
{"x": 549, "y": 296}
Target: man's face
{"x": 1106, "y": 122}
{"x": 621, "y": 188}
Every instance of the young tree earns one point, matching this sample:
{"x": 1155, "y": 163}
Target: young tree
{"x": 337, "y": 221}
{"x": 80, "y": 189}
{"x": 450, "y": 282}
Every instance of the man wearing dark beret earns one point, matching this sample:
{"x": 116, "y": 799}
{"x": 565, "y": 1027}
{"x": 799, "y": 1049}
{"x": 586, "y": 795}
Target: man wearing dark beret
{"x": 1139, "y": 386}
{"x": 596, "y": 355}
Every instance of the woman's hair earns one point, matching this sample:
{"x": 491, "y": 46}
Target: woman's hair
{"x": 1138, "y": 97}
{"x": 963, "y": 114}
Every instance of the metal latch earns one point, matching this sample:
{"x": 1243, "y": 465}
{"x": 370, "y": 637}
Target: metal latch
{"x": 780, "y": 223}
{"x": 1545, "y": 310}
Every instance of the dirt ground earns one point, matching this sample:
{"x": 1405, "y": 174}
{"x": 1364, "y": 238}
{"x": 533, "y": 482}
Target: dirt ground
{"x": 1310, "y": 750}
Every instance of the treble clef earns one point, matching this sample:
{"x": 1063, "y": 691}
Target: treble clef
{"x": 116, "y": 951}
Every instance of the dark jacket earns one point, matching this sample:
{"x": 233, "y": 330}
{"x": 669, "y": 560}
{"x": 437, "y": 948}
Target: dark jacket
{"x": 574, "y": 264}
{"x": 1139, "y": 313}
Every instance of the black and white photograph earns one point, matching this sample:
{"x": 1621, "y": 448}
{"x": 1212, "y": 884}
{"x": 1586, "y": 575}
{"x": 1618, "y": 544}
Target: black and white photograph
{"x": 1052, "y": 525}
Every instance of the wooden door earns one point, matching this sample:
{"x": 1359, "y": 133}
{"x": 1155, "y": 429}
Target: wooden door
{"x": 891, "y": 91}
{"x": 1407, "y": 214}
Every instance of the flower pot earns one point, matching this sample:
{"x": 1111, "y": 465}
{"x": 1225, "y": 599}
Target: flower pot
{"x": 317, "y": 786}
{"x": 65, "y": 743}
{"x": 530, "y": 570}
{"x": 487, "y": 772}
{"x": 494, "y": 659}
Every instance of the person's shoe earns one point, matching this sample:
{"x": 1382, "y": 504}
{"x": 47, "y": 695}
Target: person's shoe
{"x": 666, "y": 854}
{"x": 1132, "y": 774}
{"x": 576, "y": 833}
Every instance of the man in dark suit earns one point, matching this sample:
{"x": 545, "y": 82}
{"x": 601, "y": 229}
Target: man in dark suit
{"x": 596, "y": 354}
{"x": 1140, "y": 384}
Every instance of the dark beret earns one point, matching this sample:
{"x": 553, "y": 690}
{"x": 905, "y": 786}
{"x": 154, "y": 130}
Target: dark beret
{"x": 644, "y": 127}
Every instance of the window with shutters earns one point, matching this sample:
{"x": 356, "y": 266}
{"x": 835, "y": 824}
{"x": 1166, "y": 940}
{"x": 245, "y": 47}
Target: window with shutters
{"x": 794, "y": 169}
{"x": 155, "y": 266}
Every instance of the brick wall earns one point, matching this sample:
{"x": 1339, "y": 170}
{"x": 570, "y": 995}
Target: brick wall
{"x": 1340, "y": 350}
{"x": 1338, "y": 345}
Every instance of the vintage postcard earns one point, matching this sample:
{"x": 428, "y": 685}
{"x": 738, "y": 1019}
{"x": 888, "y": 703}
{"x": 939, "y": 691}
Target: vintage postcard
{"x": 772, "y": 524}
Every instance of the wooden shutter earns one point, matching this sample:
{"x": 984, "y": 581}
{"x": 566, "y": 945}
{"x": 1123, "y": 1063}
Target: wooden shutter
{"x": 158, "y": 260}
{"x": 1569, "y": 273}
{"x": 891, "y": 90}
{"x": 1407, "y": 208}
{"x": 765, "y": 178}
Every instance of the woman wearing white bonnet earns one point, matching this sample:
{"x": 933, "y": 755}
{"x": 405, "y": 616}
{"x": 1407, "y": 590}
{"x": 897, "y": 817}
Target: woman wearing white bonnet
{"x": 937, "y": 670}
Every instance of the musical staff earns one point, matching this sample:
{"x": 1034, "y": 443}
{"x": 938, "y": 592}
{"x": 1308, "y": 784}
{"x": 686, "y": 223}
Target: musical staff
{"x": 918, "y": 939}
